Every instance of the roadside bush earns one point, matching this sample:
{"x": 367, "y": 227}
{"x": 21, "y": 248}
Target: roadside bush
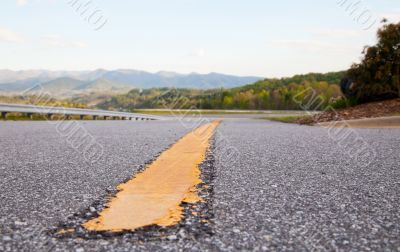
{"x": 344, "y": 103}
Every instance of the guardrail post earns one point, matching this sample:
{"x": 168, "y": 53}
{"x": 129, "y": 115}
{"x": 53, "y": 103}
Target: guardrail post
{"x": 49, "y": 116}
{"x": 4, "y": 115}
{"x": 30, "y": 115}
{"x": 105, "y": 117}
{"x": 81, "y": 117}
{"x": 94, "y": 117}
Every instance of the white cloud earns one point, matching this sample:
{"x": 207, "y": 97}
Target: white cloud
{"x": 199, "y": 52}
{"x": 312, "y": 46}
{"x": 58, "y": 41}
{"x": 22, "y": 2}
{"x": 10, "y": 36}
{"x": 338, "y": 33}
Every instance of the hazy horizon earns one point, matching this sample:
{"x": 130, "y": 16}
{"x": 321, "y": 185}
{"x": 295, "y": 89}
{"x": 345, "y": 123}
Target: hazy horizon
{"x": 128, "y": 69}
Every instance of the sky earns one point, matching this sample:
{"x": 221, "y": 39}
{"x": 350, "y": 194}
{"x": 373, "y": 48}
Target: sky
{"x": 248, "y": 38}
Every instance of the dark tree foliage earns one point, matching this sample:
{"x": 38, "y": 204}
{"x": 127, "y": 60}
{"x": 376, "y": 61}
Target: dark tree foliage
{"x": 377, "y": 77}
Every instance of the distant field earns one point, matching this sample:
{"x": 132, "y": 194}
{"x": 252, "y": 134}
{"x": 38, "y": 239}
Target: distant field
{"x": 213, "y": 112}
{"x": 284, "y": 119}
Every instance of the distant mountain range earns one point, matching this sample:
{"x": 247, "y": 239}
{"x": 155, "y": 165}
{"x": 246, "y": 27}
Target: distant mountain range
{"x": 60, "y": 83}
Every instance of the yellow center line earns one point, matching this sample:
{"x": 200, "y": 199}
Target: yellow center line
{"x": 154, "y": 196}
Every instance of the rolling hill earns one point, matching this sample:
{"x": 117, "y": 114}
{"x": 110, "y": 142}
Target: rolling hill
{"x": 100, "y": 80}
{"x": 104, "y": 85}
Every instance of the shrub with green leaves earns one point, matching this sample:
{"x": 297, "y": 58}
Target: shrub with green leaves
{"x": 377, "y": 77}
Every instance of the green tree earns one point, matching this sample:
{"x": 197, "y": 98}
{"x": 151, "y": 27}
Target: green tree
{"x": 228, "y": 102}
{"x": 378, "y": 75}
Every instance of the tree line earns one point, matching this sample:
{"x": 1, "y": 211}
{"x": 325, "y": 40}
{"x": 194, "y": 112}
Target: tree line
{"x": 267, "y": 94}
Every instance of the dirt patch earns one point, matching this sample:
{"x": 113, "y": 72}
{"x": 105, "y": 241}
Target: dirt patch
{"x": 368, "y": 110}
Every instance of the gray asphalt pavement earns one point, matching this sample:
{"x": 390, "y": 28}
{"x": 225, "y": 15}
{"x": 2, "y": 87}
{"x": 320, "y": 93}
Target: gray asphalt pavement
{"x": 293, "y": 188}
{"x": 274, "y": 187}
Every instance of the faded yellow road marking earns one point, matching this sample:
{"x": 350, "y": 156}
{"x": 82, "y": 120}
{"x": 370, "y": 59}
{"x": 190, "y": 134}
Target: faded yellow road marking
{"x": 154, "y": 196}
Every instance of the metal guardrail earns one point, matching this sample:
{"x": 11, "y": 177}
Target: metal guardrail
{"x": 29, "y": 110}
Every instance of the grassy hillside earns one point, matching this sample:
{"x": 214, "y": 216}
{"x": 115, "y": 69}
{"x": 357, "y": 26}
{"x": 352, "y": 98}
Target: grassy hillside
{"x": 61, "y": 85}
{"x": 103, "y": 85}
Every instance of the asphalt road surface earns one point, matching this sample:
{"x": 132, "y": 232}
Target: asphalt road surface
{"x": 274, "y": 187}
